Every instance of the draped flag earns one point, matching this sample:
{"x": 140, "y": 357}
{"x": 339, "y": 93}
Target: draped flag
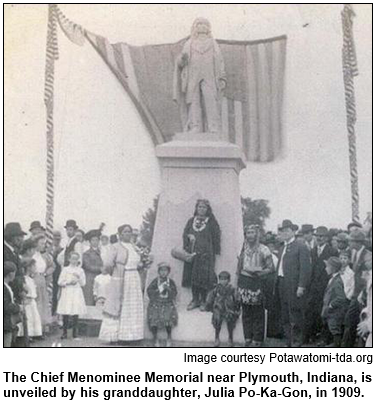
{"x": 252, "y": 102}
{"x": 350, "y": 70}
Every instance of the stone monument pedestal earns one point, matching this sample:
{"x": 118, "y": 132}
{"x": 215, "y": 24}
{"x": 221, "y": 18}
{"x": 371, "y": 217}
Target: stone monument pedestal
{"x": 198, "y": 166}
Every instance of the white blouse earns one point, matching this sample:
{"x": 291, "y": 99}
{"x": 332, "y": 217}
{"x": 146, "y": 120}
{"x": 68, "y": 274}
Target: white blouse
{"x": 31, "y": 288}
{"x": 133, "y": 257}
{"x": 40, "y": 263}
{"x": 347, "y": 276}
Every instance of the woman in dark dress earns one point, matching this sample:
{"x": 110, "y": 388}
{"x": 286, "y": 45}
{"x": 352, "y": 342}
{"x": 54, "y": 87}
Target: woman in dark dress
{"x": 202, "y": 238}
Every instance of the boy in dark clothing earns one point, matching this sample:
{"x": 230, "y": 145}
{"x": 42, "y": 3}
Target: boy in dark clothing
{"x": 225, "y": 305}
{"x": 335, "y": 303}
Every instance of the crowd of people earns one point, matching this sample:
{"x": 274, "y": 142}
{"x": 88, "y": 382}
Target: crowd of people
{"x": 315, "y": 284}
{"x": 309, "y": 286}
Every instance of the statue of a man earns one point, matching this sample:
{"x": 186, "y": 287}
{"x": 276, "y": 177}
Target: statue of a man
{"x": 199, "y": 80}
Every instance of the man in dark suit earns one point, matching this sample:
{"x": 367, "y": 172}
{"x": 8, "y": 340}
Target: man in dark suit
{"x": 294, "y": 272}
{"x": 10, "y": 308}
{"x": 309, "y": 239}
{"x": 13, "y": 239}
{"x": 319, "y": 280}
{"x": 56, "y": 250}
{"x": 71, "y": 228}
{"x": 360, "y": 255}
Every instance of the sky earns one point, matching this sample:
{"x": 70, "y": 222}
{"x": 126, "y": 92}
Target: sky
{"x": 105, "y": 165}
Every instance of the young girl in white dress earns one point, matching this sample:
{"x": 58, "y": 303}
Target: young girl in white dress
{"x": 34, "y": 323}
{"x": 101, "y": 287}
{"x": 72, "y": 302}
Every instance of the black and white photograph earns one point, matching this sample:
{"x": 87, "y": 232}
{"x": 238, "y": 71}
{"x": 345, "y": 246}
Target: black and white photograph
{"x": 187, "y": 175}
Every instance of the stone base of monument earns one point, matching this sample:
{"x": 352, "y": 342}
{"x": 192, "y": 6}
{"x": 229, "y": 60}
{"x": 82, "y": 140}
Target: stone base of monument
{"x": 196, "y": 166}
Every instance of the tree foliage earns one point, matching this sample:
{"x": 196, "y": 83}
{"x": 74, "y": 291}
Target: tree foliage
{"x": 148, "y": 223}
{"x": 255, "y": 211}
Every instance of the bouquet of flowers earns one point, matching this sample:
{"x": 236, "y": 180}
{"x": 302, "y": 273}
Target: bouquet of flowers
{"x": 146, "y": 258}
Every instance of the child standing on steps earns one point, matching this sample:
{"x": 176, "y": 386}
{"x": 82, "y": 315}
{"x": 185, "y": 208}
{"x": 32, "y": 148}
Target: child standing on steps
{"x": 72, "y": 301}
{"x": 162, "y": 312}
{"x": 225, "y": 305}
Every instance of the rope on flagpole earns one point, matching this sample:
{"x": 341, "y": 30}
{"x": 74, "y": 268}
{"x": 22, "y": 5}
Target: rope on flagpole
{"x": 350, "y": 70}
{"x": 75, "y": 33}
{"x": 52, "y": 54}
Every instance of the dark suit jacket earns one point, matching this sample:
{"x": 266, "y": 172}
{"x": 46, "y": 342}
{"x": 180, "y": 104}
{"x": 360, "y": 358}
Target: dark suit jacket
{"x": 319, "y": 279}
{"x": 296, "y": 265}
{"x": 10, "y": 256}
{"x": 359, "y": 283}
{"x": 18, "y": 283}
{"x": 68, "y": 250}
{"x": 9, "y": 309}
{"x": 335, "y": 302}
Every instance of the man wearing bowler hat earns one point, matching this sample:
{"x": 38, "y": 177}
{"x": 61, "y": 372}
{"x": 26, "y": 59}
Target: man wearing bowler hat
{"x": 319, "y": 280}
{"x": 36, "y": 228}
{"x": 70, "y": 228}
{"x": 360, "y": 255}
{"x": 294, "y": 272}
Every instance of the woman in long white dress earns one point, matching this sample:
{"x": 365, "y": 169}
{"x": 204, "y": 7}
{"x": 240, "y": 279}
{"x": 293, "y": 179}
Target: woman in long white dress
{"x": 34, "y": 324}
{"x": 43, "y": 276}
{"x": 123, "y": 314}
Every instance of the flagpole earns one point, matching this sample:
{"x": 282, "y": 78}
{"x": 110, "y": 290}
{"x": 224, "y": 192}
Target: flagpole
{"x": 350, "y": 70}
{"x": 52, "y": 54}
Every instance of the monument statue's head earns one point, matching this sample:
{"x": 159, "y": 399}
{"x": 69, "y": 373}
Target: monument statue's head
{"x": 201, "y": 26}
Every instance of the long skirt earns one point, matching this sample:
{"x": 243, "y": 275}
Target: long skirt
{"x": 88, "y": 288}
{"x": 130, "y": 325}
{"x": 34, "y": 324}
{"x": 43, "y": 303}
{"x": 162, "y": 314}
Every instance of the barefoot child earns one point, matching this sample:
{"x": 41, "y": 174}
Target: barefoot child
{"x": 162, "y": 312}
{"x": 224, "y": 304}
{"x": 71, "y": 302}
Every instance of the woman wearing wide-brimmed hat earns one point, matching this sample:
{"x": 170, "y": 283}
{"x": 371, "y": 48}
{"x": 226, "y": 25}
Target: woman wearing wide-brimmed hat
{"x": 92, "y": 264}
